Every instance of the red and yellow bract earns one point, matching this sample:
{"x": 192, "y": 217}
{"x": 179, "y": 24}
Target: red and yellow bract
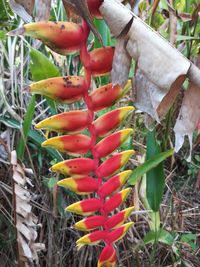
{"x": 71, "y": 122}
{"x": 66, "y": 89}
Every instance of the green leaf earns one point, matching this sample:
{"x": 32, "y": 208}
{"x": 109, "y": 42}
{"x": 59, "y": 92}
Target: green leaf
{"x": 155, "y": 177}
{"x": 12, "y": 123}
{"x": 6, "y": 12}
{"x": 185, "y": 38}
{"x": 34, "y": 136}
{"x": 164, "y": 4}
{"x": 103, "y": 30}
{"x": 38, "y": 139}
{"x": 41, "y": 67}
{"x": 2, "y": 35}
{"x": 148, "y": 165}
{"x": 52, "y": 182}
{"x": 26, "y": 127}
{"x": 190, "y": 239}
{"x": 162, "y": 236}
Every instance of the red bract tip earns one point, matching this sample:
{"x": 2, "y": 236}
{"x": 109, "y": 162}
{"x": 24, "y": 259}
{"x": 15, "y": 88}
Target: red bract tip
{"x": 112, "y": 142}
{"x": 71, "y": 122}
{"x": 90, "y": 223}
{"x": 85, "y": 207}
{"x": 116, "y": 200}
{"x": 93, "y": 238}
{"x": 101, "y": 60}
{"x": 62, "y": 37}
{"x": 114, "y": 184}
{"x": 94, "y": 6}
{"x": 72, "y": 144}
{"x": 108, "y": 95}
{"x": 81, "y": 186}
{"x": 118, "y": 219}
{"x": 66, "y": 89}
{"x": 111, "y": 120}
{"x": 113, "y": 164}
{"x": 75, "y": 167}
{"x": 107, "y": 257}
{"x": 119, "y": 232}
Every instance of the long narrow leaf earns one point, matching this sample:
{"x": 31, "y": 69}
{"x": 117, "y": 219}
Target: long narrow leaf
{"x": 148, "y": 165}
{"x": 26, "y": 127}
{"x": 155, "y": 177}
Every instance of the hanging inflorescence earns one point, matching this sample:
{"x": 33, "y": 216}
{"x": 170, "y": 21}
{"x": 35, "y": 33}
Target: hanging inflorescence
{"x": 99, "y": 175}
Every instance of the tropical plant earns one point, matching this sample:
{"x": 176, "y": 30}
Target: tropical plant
{"x": 88, "y": 130}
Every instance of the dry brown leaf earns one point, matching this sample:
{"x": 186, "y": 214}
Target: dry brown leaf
{"x": 43, "y": 9}
{"x": 188, "y": 118}
{"x": 18, "y": 178}
{"x": 24, "y": 248}
{"x": 148, "y": 95}
{"x": 23, "y": 8}
{"x": 172, "y": 24}
{"x": 25, "y": 220}
{"x": 170, "y": 97}
{"x": 162, "y": 69}
{"x": 21, "y": 193}
{"x": 70, "y": 10}
{"x": 155, "y": 5}
{"x": 27, "y": 4}
{"x": 152, "y": 99}
{"x": 23, "y": 208}
{"x": 155, "y": 57}
{"x": 121, "y": 63}
{"x": 179, "y": 15}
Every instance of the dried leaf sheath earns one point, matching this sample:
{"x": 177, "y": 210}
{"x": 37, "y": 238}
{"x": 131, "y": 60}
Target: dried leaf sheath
{"x": 25, "y": 229}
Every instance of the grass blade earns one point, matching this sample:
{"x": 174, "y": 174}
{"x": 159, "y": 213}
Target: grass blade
{"x": 26, "y": 127}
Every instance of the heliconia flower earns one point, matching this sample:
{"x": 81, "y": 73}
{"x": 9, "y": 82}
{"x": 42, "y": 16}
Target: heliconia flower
{"x": 84, "y": 175}
{"x": 107, "y": 257}
{"x": 66, "y": 89}
{"x": 82, "y": 186}
{"x": 111, "y": 120}
{"x": 85, "y": 207}
{"x": 108, "y": 95}
{"x": 101, "y": 60}
{"x": 119, "y": 232}
{"x": 93, "y": 6}
{"x": 116, "y": 200}
{"x": 72, "y": 144}
{"x": 62, "y": 37}
{"x": 112, "y": 142}
{"x": 75, "y": 167}
{"x": 114, "y": 184}
{"x": 118, "y": 219}
{"x": 114, "y": 164}
{"x": 90, "y": 223}
{"x": 92, "y": 238}
{"x": 71, "y": 122}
